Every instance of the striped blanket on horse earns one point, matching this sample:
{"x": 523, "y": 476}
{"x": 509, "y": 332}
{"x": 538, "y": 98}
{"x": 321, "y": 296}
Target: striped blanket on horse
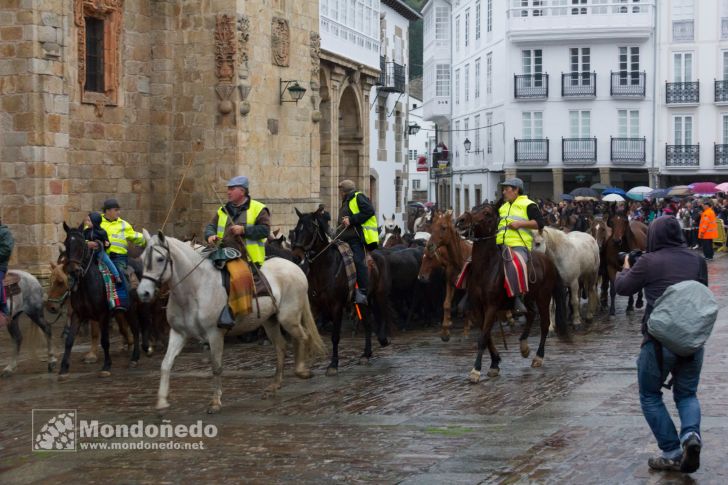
{"x": 116, "y": 295}
{"x": 516, "y": 273}
{"x": 242, "y": 287}
{"x": 348, "y": 256}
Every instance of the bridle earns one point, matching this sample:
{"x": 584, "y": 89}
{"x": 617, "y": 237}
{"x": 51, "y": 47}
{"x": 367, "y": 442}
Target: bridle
{"x": 167, "y": 262}
{"x": 318, "y": 236}
{"x": 85, "y": 253}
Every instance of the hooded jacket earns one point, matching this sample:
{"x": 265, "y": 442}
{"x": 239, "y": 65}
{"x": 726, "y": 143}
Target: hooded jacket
{"x": 6, "y": 246}
{"x": 667, "y": 261}
{"x": 95, "y": 232}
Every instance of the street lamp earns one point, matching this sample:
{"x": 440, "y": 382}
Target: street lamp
{"x": 295, "y": 91}
{"x": 413, "y": 129}
{"x": 468, "y": 145}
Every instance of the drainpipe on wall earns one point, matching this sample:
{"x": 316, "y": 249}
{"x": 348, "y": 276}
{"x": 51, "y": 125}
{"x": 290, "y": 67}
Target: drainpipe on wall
{"x": 654, "y": 178}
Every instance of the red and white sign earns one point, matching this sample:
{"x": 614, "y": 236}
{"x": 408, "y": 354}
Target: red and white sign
{"x": 422, "y": 163}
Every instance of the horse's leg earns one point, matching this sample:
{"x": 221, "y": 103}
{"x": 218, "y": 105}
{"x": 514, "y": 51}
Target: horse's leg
{"x": 630, "y": 304}
{"x": 36, "y": 316}
{"x": 604, "y": 297}
{"x": 273, "y": 330}
{"x": 592, "y": 297}
{"x": 639, "y": 303}
{"x": 575, "y": 303}
{"x": 336, "y": 316}
{"x": 495, "y": 359}
{"x": 298, "y": 334}
{"x": 17, "y": 336}
{"x": 106, "y": 369}
{"x": 446, "y": 308}
{"x": 612, "y": 291}
{"x": 125, "y": 331}
{"x": 364, "y": 359}
{"x": 70, "y": 337}
{"x": 544, "y": 316}
{"x": 91, "y": 355}
{"x": 174, "y": 346}
{"x": 488, "y": 320}
{"x": 216, "y": 341}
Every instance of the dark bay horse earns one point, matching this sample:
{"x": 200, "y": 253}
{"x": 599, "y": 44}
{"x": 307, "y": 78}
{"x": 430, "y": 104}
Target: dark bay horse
{"x": 328, "y": 288}
{"x": 626, "y": 236}
{"x": 485, "y": 281}
{"x": 88, "y": 300}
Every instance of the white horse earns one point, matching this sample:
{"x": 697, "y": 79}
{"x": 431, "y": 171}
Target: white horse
{"x": 197, "y": 297}
{"x": 422, "y": 221}
{"x": 576, "y": 256}
{"x": 30, "y": 302}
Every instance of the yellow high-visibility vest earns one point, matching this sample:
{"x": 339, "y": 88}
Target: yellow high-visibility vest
{"x": 254, "y": 248}
{"x": 514, "y": 211}
{"x": 371, "y": 235}
{"x": 120, "y": 232}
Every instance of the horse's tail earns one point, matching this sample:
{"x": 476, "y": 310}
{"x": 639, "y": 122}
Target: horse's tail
{"x": 559, "y": 295}
{"x": 314, "y": 344}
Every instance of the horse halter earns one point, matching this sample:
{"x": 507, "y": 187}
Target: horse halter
{"x": 167, "y": 262}
{"x": 86, "y": 252}
{"x": 307, "y": 248}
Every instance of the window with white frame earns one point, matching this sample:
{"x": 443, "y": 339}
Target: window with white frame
{"x": 578, "y": 7}
{"x": 476, "y": 134}
{"x": 725, "y": 128}
{"x": 682, "y": 130}
{"x": 532, "y": 125}
{"x": 629, "y": 65}
{"x": 682, "y": 67}
{"x": 456, "y": 141}
{"x": 724, "y": 19}
{"x": 532, "y": 64}
{"x": 725, "y": 65}
{"x": 489, "y": 132}
{"x": 477, "y": 20}
{"x": 457, "y": 86}
{"x": 683, "y": 20}
{"x": 531, "y": 7}
{"x": 477, "y": 78}
{"x": 457, "y": 33}
{"x": 466, "y": 82}
{"x": 466, "y": 27}
{"x": 580, "y": 61}
{"x": 416, "y": 184}
{"x": 489, "y": 74}
{"x": 580, "y": 124}
{"x": 442, "y": 22}
{"x": 442, "y": 80}
{"x": 489, "y": 21}
{"x": 628, "y": 123}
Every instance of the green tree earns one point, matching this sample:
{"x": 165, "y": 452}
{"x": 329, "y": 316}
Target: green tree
{"x": 415, "y": 41}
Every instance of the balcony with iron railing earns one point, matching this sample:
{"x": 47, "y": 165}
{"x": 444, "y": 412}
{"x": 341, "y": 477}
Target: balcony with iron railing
{"x": 682, "y": 156}
{"x": 391, "y": 77}
{"x": 579, "y": 151}
{"x": 627, "y": 151}
{"x": 628, "y": 84}
{"x": 532, "y": 151}
{"x": 682, "y": 93}
{"x": 720, "y": 154}
{"x": 531, "y": 86}
{"x": 579, "y": 85}
{"x": 721, "y": 91}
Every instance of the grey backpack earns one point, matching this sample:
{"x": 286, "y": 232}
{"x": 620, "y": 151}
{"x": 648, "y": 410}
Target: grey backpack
{"x": 683, "y": 317}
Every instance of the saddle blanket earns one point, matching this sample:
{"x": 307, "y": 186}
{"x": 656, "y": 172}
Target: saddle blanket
{"x": 461, "y": 281}
{"x": 10, "y": 284}
{"x": 242, "y": 286}
{"x": 516, "y": 280}
{"x": 116, "y": 295}
{"x": 348, "y": 256}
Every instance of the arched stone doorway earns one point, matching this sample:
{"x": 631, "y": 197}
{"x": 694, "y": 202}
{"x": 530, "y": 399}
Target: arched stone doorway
{"x": 351, "y": 140}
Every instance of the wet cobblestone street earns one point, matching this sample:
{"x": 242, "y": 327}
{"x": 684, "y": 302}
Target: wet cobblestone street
{"x": 409, "y": 417}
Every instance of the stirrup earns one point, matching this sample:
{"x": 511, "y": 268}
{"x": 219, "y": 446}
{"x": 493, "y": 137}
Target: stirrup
{"x": 360, "y": 297}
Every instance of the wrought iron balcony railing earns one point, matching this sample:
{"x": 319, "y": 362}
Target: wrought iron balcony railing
{"x": 391, "y": 77}
{"x": 682, "y": 155}
{"x": 627, "y": 151}
{"x": 682, "y": 93}
{"x": 721, "y": 156}
{"x": 530, "y": 86}
{"x": 628, "y": 83}
{"x": 721, "y": 91}
{"x": 579, "y": 84}
{"x": 532, "y": 151}
{"x": 580, "y": 151}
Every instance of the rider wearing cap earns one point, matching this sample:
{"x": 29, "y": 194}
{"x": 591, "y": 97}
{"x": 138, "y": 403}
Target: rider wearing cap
{"x": 120, "y": 234}
{"x": 519, "y": 215}
{"x": 241, "y": 218}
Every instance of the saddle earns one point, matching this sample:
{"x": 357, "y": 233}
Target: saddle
{"x": 516, "y": 272}
{"x": 10, "y": 284}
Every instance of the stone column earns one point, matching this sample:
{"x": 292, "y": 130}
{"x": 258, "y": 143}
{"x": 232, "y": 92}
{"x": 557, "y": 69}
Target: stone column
{"x": 604, "y": 176}
{"x": 558, "y": 175}
{"x": 510, "y": 173}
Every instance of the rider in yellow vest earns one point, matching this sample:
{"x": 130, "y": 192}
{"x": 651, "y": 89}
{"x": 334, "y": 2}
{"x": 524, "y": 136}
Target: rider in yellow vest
{"x": 357, "y": 215}
{"x": 518, "y": 217}
{"x": 120, "y": 234}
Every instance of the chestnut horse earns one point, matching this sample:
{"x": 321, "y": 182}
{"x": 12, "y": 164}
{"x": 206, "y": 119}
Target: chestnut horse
{"x": 486, "y": 291}
{"x": 447, "y": 250}
{"x": 626, "y": 236}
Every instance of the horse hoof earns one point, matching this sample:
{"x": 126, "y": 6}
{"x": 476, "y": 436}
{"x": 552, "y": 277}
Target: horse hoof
{"x": 63, "y": 377}
{"x": 149, "y": 352}
{"x": 474, "y": 376}
{"x": 445, "y": 338}
{"x": 104, "y": 373}
{"x": 629, "y": 310}
{"x": 383, "y": 342}
{"x": 639, "y": 305}
{"x": 525, "y": 349}
{"x": 51, "y": 366}
{"x": 7, "y": 373}
{"x": 162, "y": 408}
{"x": 304, "y": 374}
{"x": 213, "y": 409}
{"x": 578, "y": 328}
{"x": 90, "y": 359}
{"x": 332, "y": 371}
{"x": 537, "y": 362}
{"x": 493, "y": 372}
{"x": 133, "y": 363}
{"x": 612, "y": 312}
{"x": 363, "y": 360}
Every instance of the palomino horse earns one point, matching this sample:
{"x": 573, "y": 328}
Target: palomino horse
{"x": 576, "y": 256}
{"x": 447, "y": 250}
{"x": 486, "y": 279}
{"x": 197, "y": 296}
{"x": 89, "y": 302}
{"x": 329, "y": 288}
{"x": 626, "y": 236}
{"x": 30, "y": 302}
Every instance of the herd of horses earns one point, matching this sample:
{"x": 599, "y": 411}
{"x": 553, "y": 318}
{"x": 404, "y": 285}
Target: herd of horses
{"x": 180, "y": 291}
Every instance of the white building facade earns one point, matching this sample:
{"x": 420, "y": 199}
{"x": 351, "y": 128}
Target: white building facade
{"x": 557, "y": 92}
{"x": 388, "y": 113}
{"x": 692, "y": 128}
{"x": 420, "y": 147}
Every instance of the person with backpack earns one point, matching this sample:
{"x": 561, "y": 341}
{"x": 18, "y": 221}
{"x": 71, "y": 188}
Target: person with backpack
{"x": 667, "y": 262}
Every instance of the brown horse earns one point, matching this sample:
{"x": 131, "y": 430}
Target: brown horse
{"x": 626, "y": 236}
{"x": 447, "y": 250}
{"x": 393, "y": 238}
{"x": 602, "y": 233}
{"x": 487, "y": 295}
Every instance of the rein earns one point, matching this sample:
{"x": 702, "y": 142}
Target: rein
{"x": 61, "y": 300}
{"x": 311, "y": 260}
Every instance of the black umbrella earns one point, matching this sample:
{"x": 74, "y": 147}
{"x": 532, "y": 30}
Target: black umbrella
{"x": 585, "y": 192}
{"x": 599, "y": 186}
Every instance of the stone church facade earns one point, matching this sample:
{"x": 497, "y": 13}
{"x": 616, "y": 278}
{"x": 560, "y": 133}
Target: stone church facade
{"x": 159, "y": 103}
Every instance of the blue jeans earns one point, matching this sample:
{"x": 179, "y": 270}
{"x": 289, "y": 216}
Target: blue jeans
{"x": 107, "y": 261}
{"x": 686, "y": 375}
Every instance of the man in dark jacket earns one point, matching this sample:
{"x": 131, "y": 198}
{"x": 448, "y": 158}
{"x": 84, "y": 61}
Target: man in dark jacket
{"x": 358, "y": 217}
{"x": 668, "y": 261}
{"x": 6, "y": 248}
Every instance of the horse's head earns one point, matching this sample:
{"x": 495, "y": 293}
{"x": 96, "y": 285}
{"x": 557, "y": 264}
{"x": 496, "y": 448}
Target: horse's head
{"x": 309, "y": 233}
{"x": 388, "y": 224}
{"x": 464, "y": 223}
{"x": 77, "y": 250}
{"x": 601, "y": 232}
{"x": 431, "y": 260}
{"x": 59, "y": 286}
{"x": 620, "y": 227}
{"x": 539, "y": 242}
{"x": 158, "y": 266}
{"x": 485, "y": 221}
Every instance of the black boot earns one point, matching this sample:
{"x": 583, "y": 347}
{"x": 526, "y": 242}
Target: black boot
{"x": 518, "y": 307}
{"x": 360, "y": 296}
{"x": 226, "y": 319}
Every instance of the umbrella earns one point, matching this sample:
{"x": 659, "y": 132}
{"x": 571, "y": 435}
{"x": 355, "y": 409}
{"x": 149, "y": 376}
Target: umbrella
{"x": 614, "y": 190}
{"x": 703, "y": 188}
{"x": 580, "y": 198}
{"x": 566, "y": 197}
{"x": 679, "y": 190}
{"x": 612, "y": 198}
{"x": 722, "y": 187}
{"x": 599, "y": 186}
{"x": 638, "y": 193}
{"x": 659, "y": 193}
{"x": 585, "y": 192}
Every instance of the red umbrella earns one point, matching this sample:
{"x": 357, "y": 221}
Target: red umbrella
{"x": 703, "y": 188}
